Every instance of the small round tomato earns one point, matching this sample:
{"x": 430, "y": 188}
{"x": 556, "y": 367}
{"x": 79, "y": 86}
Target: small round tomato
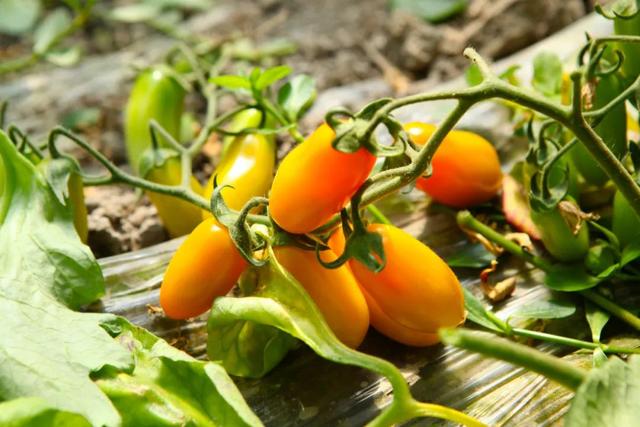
{"x": 414, "y": 295}
{"x": 465, "y": 168}
{"x": 334, "y": 291}
{"x": 315, "y": 181}
{"x": 207, "y": 265}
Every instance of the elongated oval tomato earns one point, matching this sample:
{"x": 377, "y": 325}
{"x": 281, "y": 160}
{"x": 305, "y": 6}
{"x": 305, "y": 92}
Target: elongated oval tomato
{"x": 207, "y": 265}
{"x": 155, "y": 95}
{"x": 334, "y": 291}
{"x": 178, "y": 216}
{"x": 248, "y": 167}
{"x": 465, "y": 168}
{"x": 315, "y": 181}
{"x": 415, "y": 294}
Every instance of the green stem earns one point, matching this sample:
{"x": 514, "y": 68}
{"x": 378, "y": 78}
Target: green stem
{"x": 467, "y": 221}
{"x": 621, "y": 313}
{"x": 378, "y": 216}
{"x": 572, "y": 342}
{"x": 551, "y": 367}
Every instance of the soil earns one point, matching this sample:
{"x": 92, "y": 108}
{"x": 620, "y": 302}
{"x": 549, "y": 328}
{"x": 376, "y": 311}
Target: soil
{"x": 339, "y": 43}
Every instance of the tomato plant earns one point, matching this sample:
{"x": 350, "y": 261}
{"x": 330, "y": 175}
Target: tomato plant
{"x": 465, "y": 168}
{"x": 625, "y": 224}
{"x": 315, "y": 181}
{"x": 207, "y": 265}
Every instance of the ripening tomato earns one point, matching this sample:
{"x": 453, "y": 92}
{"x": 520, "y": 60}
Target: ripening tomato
{"x": 465, "y": 168}
{"x": 178, "y": 216}
{"x": 315, "y": 181}
{"x": 414, "y": 295}
{"x": 207, "y": 265}
{"x": 334, "y": 291}
{"x": 247, "y": 166}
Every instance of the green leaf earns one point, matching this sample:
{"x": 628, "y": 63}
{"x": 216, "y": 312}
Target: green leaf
{"x": 599, "y": 358}
{"x": 551, "y": 309}
{"x": 46, "y": 270}
{"x": 569, "y": 278}
{"x": 272, "y": 75}
{"x": 81, "y": 118}
{"x": 136, "y": 12}
{"x": 53, "y": 25}
{"x": 473, "y": 75}
{"x": 170, "y": 388}
{"x": 248, "y": 349}
{"x": 547, "y": 74}
{"x": 630, "y": 253}
{"x": 433, "y": 11}
{"x": 36, "y": 412}
{"x": 509, "y": 75}
{"x": 18, "y": 16}
{"x": 471, "y": 256}
{"x": 297, "y": 95}
{"x": 231, "y": 82}
{"x": 610, "y": 396}
{"x": 51, "y": 353}
{"x": 477, "y": 313}
{"x": 597, "y": 319}
{"x": 64, "y": 57}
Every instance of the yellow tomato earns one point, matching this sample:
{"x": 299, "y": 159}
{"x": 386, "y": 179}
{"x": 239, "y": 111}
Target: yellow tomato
{"x": 334, "y": 291}
{"x": 465, "y": 168}
{"x": 207, "y": 265}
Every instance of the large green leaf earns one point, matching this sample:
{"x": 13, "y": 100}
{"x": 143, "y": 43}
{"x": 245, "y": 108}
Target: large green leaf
{"x": 47, "y": 350}
{"x": 610, "y": 396}
{"x": 170, "y": 388}
{"x": 49, "y": 353}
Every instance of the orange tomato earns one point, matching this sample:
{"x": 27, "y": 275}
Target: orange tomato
{"x": 414, "y": 295}
{"x": 207, "y": 265}
{"x": 465, "y": 168}
{"x": 315, "y": 181}
{"x": 334, "y": 291}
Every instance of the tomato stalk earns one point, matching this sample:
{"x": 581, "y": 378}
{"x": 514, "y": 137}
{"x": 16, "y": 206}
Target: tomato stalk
{"x": 557, "y": 369}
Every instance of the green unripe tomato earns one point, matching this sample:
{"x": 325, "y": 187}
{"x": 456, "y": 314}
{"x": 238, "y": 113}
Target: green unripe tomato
{"x": 155, "y": 95}
{"x": 557, "y": 236}
{"x": 625, "y": 223}
{"x": 612, "y": 129}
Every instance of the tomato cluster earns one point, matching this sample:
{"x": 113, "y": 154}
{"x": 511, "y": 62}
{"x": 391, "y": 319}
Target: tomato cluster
{"x": 414, "y": 294}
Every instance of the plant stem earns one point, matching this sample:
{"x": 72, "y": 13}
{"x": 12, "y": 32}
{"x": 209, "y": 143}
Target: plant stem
{"x": 377, "y": 215}
{"x": 621, "y": 313}
{"x": 468, "y": 222}
{"x": 480, "y": 342}
{"x": 572, "y": 342}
